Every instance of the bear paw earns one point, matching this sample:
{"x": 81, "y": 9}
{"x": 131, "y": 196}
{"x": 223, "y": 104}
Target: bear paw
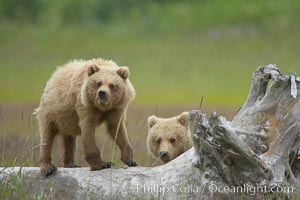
{"x": 131, "y": 163}
{"x": 47, "y": 169}
{"x": 106, "y": 165}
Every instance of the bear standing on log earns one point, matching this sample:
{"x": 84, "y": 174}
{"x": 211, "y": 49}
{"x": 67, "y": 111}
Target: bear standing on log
{"x": 78, "y": 97}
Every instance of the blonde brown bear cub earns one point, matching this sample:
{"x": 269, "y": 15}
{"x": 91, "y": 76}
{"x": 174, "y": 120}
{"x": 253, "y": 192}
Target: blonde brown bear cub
{"x": 168, "y": 137}
{"x": 78, "y": 97}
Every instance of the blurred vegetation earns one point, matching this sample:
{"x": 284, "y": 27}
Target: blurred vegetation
{"x": 177, "y": 50}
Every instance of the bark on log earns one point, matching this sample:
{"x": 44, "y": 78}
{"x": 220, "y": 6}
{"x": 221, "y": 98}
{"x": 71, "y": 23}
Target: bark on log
{"x": 253, "y": 157}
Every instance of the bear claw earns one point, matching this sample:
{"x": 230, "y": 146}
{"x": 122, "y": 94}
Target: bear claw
{"x": 131, "y": 163}
{"x": 106, "y": 165}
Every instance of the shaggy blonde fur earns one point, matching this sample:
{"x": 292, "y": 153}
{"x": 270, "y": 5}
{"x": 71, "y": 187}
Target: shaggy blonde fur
{"x": 168, "y": 137}
{"x": 72, "y": 105}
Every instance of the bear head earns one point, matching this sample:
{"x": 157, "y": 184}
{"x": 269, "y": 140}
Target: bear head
{"x": 108, "y": 87}
{"x": 168, "y": 137}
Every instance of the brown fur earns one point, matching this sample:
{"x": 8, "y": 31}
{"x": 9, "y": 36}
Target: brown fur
{"x": 169, "y": 135}
{"x": 71, "y": 105}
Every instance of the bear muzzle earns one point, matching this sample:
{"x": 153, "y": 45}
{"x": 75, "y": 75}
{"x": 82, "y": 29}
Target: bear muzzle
{"x": 103, "y": 96}
{"x": 164, "y": 156}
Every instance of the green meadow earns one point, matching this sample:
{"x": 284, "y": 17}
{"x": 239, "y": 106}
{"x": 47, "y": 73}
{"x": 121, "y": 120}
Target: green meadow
{"x": 177, "y": 51}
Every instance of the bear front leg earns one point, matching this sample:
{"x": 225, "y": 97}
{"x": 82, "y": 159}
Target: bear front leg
{"x": 69, "y": 147}
{"x": 119, "y": 135}
{"x": 91, "y": 151}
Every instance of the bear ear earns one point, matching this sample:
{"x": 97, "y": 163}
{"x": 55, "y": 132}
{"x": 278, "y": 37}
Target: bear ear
{"x": 123, "y": 72}
{"x": 92, "y": 69}
{"x": 152, "y": 120}
{"x": 183, "y": 119}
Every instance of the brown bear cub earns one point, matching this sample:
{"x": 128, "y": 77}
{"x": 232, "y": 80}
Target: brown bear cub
{"x": 78, "y": 97}
{"x": 168, "y": 137}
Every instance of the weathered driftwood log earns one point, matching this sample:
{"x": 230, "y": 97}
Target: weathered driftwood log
{"x": 174, "y": 179}
{"x": 260, "y": 145}
{"x": 252, "y": 157}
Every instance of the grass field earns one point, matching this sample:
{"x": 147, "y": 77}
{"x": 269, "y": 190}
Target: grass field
{"x": 177, "y": 52}
{"x": 165, "y": 70}
{"x": 19, "y": 141}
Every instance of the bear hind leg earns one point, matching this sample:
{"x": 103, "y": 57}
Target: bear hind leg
{"x": 47, "y": 134}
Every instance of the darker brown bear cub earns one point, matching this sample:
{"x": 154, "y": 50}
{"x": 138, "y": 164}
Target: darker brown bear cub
{"x": 78, "y": 97}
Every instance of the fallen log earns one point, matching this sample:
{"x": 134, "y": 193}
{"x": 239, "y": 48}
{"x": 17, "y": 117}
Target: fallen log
{"x": 174, "y": 179}
{"x": 254, "y": 156}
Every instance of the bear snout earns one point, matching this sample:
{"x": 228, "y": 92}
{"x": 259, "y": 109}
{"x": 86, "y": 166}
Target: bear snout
{"x": 102, "y": 94}
{"x": 163, "y": 154}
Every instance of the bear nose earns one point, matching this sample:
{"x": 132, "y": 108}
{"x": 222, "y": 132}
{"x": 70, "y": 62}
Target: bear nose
{"x": 163, "y": 154}
{"x": 102, "y": 94}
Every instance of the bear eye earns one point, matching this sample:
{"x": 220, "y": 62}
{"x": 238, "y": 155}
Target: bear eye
{"x": 158, "y": 140}
{"x": 99, "y": 84}
{"x": 111, "y": 86}
{"x": 172, "y": 140}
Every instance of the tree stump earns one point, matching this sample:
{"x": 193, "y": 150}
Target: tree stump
{"x": 260, "y": 146}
